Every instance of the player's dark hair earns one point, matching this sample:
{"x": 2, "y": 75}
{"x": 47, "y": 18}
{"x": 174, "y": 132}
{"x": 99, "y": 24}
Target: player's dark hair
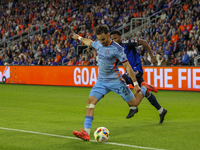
{"x": 115, "y": 32}
{"x": 100, "y": 29}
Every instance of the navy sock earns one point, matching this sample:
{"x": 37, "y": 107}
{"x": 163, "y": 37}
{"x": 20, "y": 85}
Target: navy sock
{"x": 153, "y": 101}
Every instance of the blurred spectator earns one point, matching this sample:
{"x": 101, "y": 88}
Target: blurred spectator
{"x": 174, "y": 38}
{"x": 15, "y": 61}
{"x": 32, "y": 61}
{"x": 49, "y": 61}
{"x": 185, "y": 59}
{"x": 164, "y": 45}
{"x": 87, "y": 62}
{"x": 146, "y": 62}
{"x": 185, "y": 33}
{"x": 40, "y": 61}
{"x": 63, "y": 58}
{"x": 167, "y": 52}
{"x": 52, "y": 63}
{"x": 70, "y": 62}
{"x": 179, "y": 58}
{"x": 57, "y": 59}
{"x": 171, "y": 31}
{"x": 173, "y": 61}
{"x": 93, "y": 62}
{"x": 75, "y": 61}
{"x": 189, "y": 52}
{"x": 6, "y": 59}
{"x": 22, "y": 61}
{"x": 1, "y": 61}
{"x": 157, "y": 55}
{"x": 163, "y": 61}
{"x": 81, "y": 60}
{"x": 175, "y": 49}
{"x": 142, "y": 61}
{"x": 73, "y": 53}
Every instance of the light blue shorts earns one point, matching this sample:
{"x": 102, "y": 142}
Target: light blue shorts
{"x": 102, "y": 88}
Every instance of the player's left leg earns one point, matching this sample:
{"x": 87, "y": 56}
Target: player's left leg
{"x": 152, "y": 99}
{"x": 85, "y": 134}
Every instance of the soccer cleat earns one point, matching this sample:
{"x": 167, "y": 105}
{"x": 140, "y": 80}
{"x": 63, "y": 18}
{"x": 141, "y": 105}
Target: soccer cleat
{"x": 162, "y": 115}
{"x": 82, "y": 135}
{"x": 149, "y": 87}
{"x": 131, "y": 113}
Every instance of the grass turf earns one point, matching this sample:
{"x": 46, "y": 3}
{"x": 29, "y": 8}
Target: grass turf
{"x": 60, "y": 110}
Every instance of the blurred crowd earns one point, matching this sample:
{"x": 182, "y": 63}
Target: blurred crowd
{"x": 174, "y": 39}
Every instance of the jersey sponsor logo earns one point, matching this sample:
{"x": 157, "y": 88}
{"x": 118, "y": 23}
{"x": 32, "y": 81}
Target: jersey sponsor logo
{"x": 107, "y": 52}
{"x": 100, "y": 56}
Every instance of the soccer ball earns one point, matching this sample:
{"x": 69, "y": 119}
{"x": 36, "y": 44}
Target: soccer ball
{"x": 101, "y": 134}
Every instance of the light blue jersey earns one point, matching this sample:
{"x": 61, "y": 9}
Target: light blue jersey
{"x": 109, "y": 78}
{"x": 108, "y": 59}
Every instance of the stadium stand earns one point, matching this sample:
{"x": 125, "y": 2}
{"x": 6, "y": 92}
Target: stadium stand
{"x": 39, "y": 33}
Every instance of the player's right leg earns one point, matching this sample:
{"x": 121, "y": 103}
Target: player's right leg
{"x": 133, "y": 110}
{"x": 123, "y": 90}
{"x": 97, "y": 92}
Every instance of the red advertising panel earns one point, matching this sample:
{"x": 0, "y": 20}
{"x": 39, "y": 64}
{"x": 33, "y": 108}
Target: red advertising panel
{"x": 165, "y": 78}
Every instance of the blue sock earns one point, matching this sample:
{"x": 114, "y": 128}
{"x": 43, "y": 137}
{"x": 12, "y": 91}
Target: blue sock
{"x": 153, "y": 101}
{"x": 88, "y": 122}
{"x": 143, "y": 91}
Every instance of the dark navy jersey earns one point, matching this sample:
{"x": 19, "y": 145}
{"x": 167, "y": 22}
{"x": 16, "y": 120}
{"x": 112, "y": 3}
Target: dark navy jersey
{"x": 132, "y": 55}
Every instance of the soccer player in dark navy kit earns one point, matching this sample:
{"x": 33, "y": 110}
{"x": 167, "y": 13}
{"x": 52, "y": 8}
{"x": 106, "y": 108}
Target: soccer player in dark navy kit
{"x": 134, "y": 60}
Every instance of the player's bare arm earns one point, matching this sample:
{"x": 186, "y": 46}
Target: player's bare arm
{"x": 132, "y": 75}
{"x": 84, "y": 40}
{"x": 147, "y": 47}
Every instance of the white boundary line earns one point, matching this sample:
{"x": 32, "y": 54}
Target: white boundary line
{"x": 74, "y": 138}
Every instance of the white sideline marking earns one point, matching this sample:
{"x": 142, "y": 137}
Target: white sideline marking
{"x": 68, "y": 137}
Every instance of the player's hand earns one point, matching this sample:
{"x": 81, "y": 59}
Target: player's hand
{"x": 137, "y": 89}
{"x": 154, "y": 61}
{"x": 75, "y": 36}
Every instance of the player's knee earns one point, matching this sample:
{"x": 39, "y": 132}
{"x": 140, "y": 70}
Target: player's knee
{"x": 134, "y": 102}
{"x": 92, "y": 100}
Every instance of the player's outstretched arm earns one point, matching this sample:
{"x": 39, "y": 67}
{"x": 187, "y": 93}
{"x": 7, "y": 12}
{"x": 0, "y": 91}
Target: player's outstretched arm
{"x": 84, "y": 40}
{"x": 132, "y": 75}
{"x": 147, "y": 47}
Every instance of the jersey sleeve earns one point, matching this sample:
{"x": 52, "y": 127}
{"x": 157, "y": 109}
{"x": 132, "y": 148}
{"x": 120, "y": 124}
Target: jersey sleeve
{"x": 121, "y": 56}
{"x": 94, "y": 44}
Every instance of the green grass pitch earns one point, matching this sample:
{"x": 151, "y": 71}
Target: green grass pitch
{"x": 43, "y": 112}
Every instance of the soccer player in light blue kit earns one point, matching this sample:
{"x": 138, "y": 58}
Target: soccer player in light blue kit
{"x": 134, "y": 60}
{"x": 109, "y": 78}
